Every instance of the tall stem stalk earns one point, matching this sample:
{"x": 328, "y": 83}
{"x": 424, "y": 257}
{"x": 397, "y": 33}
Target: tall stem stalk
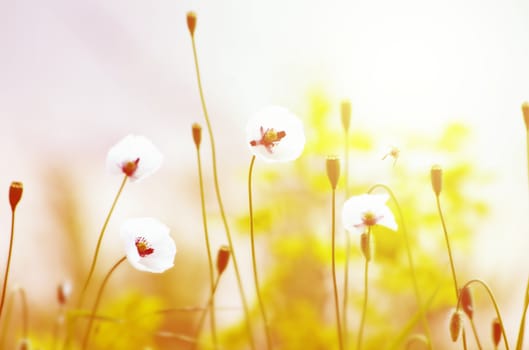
{"x": 335, "y": 285}
{"x": 347, "y": 245}
{"x": 6, "y": 274}
{"x": 410, "y": 260}
{"x": 254, "y": 261}
{"x": 97, "y": 301}
{"x": 205, "y": 312}
{"x": 219, "y": 197}
{"x": 208, "y": 248}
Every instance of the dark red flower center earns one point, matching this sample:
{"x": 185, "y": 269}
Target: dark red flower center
{"x": 144, "y": 248}
{"x": 129, "y": 168}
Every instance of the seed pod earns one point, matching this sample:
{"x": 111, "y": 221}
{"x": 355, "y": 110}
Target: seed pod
{"x": 456, "y": 323}
{"x": 333, "y": 171}
{"x": 467, "y": 302}
{"x": 496, "y": 331}
{"x": 223, "y": 257}
{"x": 15, "y": 193}
{"x": 437, "y": 179}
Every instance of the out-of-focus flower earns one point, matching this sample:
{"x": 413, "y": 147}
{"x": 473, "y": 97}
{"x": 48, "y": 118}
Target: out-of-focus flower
{"x": 363, "y": 211}
{"x": 148, "y": 245}
{"x": 275, "y": 135}
{"x": 134, "y": 156}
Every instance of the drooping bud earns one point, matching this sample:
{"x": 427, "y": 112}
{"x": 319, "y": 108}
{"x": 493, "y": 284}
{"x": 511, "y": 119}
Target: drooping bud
{"x": 456, "y": 324}
{"x": 15, "y": 193}
{"x": 345, "y": 108}
{"x": 64, "y": 290}
{"x": 365, "y": 246}
{"x": 223, "y": 257}
{"x": 525, "y": 111}
{"x": 197, "y": 134}
{"x": 191, "y": 22}
{"x": 496, "y": 331}
{"x": 333, "y": 171}
{"x": 467, "y": 302}
{"x": 437, "y": 179}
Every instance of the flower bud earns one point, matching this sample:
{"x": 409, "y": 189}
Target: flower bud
{"x": 525, "y": 111}
{"x": 64, "y": 290}
{"x": 333, "y": 170}
{"x": 15, "y": 193}
{"x": 365, "y": 246}
{"x": 223, "y": 256}
{"x": 197, "y": 134}
{"x": 191, "y": 22}
{"x": 496, "y": 331}
{"x": 437, "y": 179}
{"x": 346, "y": 114}
{"x": 467, "y": 302}
{"x": 456, "y": 323}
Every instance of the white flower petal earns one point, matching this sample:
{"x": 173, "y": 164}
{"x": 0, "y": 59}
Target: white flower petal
{"x": 286, "y": 148}
{"x": 133, "y": 148}
{"x": 156, "y": 235}
{"x": 356, "y": 207}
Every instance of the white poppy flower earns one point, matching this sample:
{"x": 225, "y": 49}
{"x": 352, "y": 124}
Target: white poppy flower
{"x": 363, "y": 211}
{"x": 134, "y": 156}
{"x": 275, "y": 135}
{"x": 148, "y": 245}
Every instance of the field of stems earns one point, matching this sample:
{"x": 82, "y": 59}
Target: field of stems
{"x": 290, "y": 248}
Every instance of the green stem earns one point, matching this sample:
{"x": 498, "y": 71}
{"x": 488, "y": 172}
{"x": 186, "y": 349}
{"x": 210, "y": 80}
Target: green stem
{"x": 99, "y": 240}
{"x": 410, "y": 260}
{"x": 493, "y": 299}
{"x": 347, "y": 245}
{"x": 205, "y": 312}
{"x": 6, "y": 274}
{"x": 254, "y": 261}
{"x": 219, "y": 198}
{"x": 335, "y": 285}
{"x": 97, "y": 301}
{"x": 208, "y": 248}
{"x": 364, "y": 306}
{"x": 519, "y": 342}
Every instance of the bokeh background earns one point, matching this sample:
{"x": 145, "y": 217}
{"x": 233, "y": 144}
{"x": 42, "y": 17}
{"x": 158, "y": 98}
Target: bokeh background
{"x": 442, "y": 81}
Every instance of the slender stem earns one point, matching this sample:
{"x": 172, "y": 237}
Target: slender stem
{"x": 452, "y": 268}
{"x": 99, "y": 240}
{"x": 519, "y": 342}
{"x": 527, "y": 142}
{"x": 219, "y": 198}
{"x": 6, "y": 274}
{"x": 335, "y": 285}
{"x": 98, "y": 300}
{"x": 347, "y": 245}
{"x": 493, "y": 299}
{"x": 254, "y": 261}
{"x": 208, "y": 248}
{"x": 410, "y": 260}
{"x": 25, "y": 317}
{"x": 364, "y": 307}
{"x": 475, "y": 331}
{"x": 447, "y": 246}
{"x": 205, "y": 312}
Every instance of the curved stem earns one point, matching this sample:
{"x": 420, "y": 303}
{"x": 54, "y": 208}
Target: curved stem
{"x": 205, "y": 312}
{"x": 475, "y": 331}
{"x": 347, "y": 245}
{"x": 410, "y": 259}
{"x": 493, "y": 299}
{"x": 6, "y": 274}
{"x": 219, "y": 198}
{"x": 364, "y": 307}
{"x": 335, "y": 285}
{"x": 99, "y": 240}
{"x": 254, "y": 261}
{"x": 208, "y": 248}
{"x": 98, "y": 300}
